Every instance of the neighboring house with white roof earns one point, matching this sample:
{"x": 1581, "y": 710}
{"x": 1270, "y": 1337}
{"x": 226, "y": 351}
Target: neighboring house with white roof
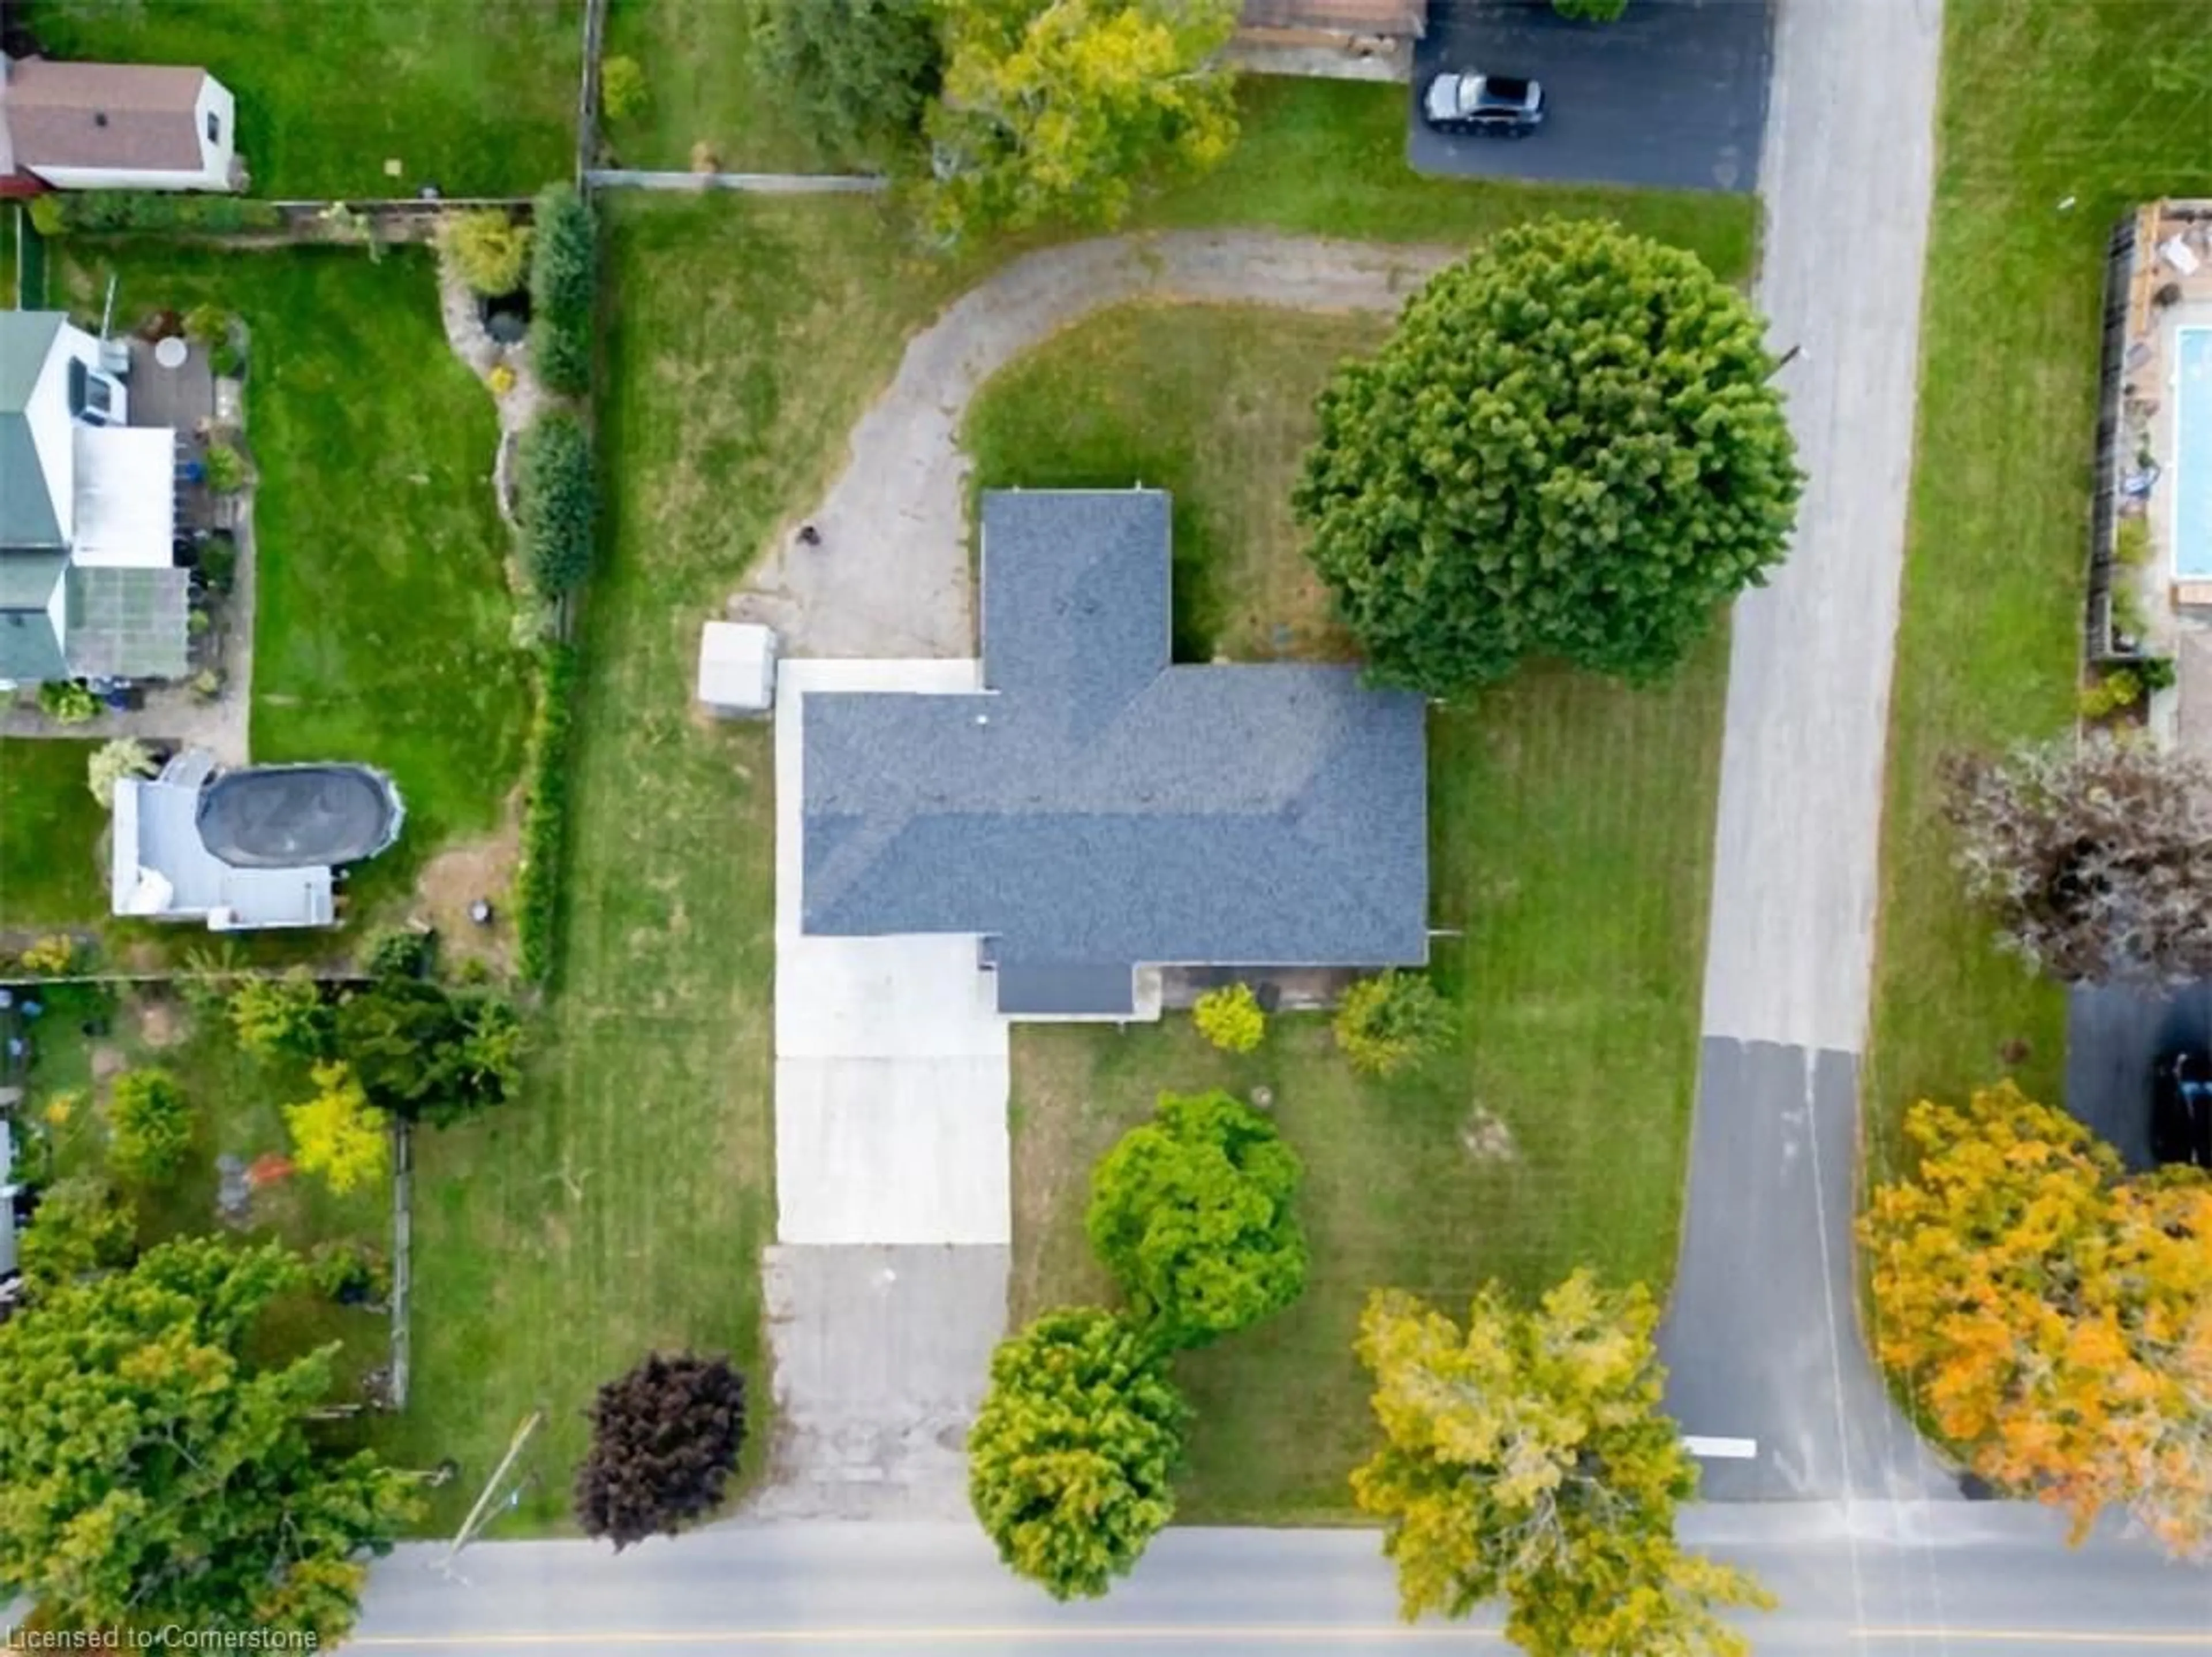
{"x": 88, "y": 586}
{"x": 115, "y": 126}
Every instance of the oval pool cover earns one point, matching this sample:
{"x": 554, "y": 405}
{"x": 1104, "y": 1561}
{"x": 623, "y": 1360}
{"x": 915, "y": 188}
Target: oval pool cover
{"x": 298, "y": 816}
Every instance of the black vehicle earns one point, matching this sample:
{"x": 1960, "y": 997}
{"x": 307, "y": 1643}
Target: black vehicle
{"x": 1494, "y": 105}
{"x": 2181, "y": 1108}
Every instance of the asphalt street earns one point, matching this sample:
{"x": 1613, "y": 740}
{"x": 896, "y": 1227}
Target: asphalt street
{"x": 1761, "y": 1339}
{"x": 2112, "y": 1037}
{"x": 1672, "y": 96}
{"x": 1872, "y": 1580}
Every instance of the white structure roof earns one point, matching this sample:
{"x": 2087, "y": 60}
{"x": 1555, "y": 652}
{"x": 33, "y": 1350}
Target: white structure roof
{"x": 159, "y": 867}
{"x": 126, "y": 496}
{"x": 736, "y": 666}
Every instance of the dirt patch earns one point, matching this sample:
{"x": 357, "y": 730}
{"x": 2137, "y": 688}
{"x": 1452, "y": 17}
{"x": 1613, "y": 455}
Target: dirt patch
{"x": 108, "y": 1061}
{"x": 456, "y": 877}
{"x": 158, "y": 1023}
{"x": 1488, "y": 1139}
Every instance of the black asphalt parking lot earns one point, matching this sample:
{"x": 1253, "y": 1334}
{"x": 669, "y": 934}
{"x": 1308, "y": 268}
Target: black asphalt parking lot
{"x": 1672, "y": 96}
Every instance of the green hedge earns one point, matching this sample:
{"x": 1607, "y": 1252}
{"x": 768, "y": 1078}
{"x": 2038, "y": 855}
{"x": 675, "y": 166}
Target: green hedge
{"x": 564, "y": 273}
{"x": 557, "y": 501}
{"x": 545, "y": 814}
{"x": 110, "y": 211}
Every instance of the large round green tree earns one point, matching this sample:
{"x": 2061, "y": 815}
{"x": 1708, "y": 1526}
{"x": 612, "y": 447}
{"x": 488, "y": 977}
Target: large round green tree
{"x": 1192, "y": 1212}
{"x": 1071, "y": 1458}
{"x": 1569, "y": 447}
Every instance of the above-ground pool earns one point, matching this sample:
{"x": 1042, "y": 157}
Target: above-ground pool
{"x": 2192, "y": 457}
{"x": 298, "y": 816}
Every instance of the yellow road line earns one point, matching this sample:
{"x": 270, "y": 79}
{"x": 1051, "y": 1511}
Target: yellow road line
{"x": 740, "y": 1639}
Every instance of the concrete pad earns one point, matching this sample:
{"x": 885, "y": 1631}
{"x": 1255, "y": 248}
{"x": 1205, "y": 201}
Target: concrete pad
{"x": 920, "y": 997}
{"x": 892, "y": 1150}
{"x": 882, "y": 1357}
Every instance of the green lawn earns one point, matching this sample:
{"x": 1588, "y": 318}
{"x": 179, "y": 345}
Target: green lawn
{"x": 50, "y": 872}
{"x": 1992, "y": 611}
{"x": 622, "y": 1204}
{"x": 476, "y": 96}
{"x": 702, "y": 86}
{"x": 1570, "y": 834}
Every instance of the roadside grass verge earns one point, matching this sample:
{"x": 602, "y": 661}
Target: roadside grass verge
{"x": 478, "y": 99}
{"x": 1570, "y": 826}
{"x": 1989, "y": 635}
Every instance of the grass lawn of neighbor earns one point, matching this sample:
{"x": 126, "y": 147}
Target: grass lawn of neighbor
{"x": 477, "y": 97}
{"x": 52, "y": 877}
{"x": 1991, "y": 633}
{"x": 1570, "y": 826}
{"x": 383, "y": 626}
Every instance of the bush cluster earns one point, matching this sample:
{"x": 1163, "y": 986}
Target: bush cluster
{"x": 563, "y": 290}
{"x": 108, "y": 212}
{"x": 490, "y": 249}
{"x": 557, "y": 502}
{"x": 1390, "y": 1023}
{"x": 1230, "y": 1018}
{"x": 150, "y": 1124}
{"x": 544, "y": 815}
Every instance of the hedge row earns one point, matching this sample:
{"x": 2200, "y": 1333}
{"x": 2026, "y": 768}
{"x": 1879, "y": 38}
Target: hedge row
{"x": 545, "y": 814}
{"x": 564, "y": 273}
{"x": 558, "y": 502}
{"x": 97, "y": 211}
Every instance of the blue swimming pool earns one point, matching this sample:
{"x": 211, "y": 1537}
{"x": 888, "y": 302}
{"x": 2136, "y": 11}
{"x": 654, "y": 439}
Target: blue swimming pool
{"x": 2192, "y": 457}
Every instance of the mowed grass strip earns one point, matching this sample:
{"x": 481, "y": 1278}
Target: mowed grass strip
{"x": 51, "y": 874}
{"x": 1989, "y": 636}
{"x": 621, "y": 1205}
{"x": 477, "y": 97}
{"x": 1571, "y": 844}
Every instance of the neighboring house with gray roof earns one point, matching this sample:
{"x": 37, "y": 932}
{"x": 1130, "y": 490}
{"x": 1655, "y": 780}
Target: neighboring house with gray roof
{"x": 88, "y": 586}
{"x": 1096, "y": 808}
{"x": 115, "y": 126}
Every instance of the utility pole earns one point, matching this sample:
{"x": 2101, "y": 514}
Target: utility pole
{"x": 478, "y": 1514}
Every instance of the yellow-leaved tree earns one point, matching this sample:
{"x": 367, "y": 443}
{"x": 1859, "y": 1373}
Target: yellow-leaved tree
{"x": 2052, "y": 1314}
{"x": 1525, "y": 1457}
{"x": 1059, "y": 110}
{"x": 339, "y": 1134}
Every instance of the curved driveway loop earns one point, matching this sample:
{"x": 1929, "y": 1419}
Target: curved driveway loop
{"x": 889, "y": 577}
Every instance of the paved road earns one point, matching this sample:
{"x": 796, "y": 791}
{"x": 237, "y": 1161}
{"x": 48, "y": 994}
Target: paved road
{"x": 1761, "y": 1333}
{"x": 1982, "y": 1574}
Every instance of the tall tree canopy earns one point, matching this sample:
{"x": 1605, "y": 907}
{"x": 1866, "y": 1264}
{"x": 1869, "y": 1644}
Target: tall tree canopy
{"x": 1526, "y": 1456}
{"x": 2052, "y": 1314}
{"x": 1070, "y": 1456}
{"x": 1568, "y": 447}
{"x": 861, "y": 73}
{"x": 426, "y": 1053}
{"x": 2094, "y": 857}
{"x": 1192, "y": 1212}
{"x": 665, "y": 1440}
{"x": 151, "y": 1471}
{"x": 1059, "y": 109}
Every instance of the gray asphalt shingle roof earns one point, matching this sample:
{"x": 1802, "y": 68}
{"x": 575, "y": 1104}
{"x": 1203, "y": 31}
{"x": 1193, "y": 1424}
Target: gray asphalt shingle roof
{"x": 26, "y": 509}
{"x": 1104, "y": 809}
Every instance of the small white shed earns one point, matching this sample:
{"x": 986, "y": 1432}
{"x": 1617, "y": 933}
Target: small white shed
{"x": 737, "y": 669}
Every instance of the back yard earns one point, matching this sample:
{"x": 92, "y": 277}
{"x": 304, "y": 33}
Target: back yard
{"x": 1987, "y": 647}
{"x": 1569, "y": 839}
{"x": 477, "y": 97}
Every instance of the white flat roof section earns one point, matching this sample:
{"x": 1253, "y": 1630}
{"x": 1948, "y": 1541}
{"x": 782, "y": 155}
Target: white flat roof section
{"x": 736, "y": 666}
{"x": 160, "y": 869}
{"x": 126, "y": 496}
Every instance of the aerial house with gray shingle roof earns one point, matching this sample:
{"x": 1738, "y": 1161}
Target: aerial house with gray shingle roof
{"x": 1096, "y": 808}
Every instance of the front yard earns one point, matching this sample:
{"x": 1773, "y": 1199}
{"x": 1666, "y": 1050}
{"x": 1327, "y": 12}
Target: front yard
{"x": 1570, "y": 826}
{"x": 478, "y": 99}
{"x": 1990, "y": 638}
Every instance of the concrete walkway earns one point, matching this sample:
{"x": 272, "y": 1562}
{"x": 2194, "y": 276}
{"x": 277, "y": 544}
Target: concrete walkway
{"x": 1762, "y": 1335}
{"x": 889, "y": 577}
